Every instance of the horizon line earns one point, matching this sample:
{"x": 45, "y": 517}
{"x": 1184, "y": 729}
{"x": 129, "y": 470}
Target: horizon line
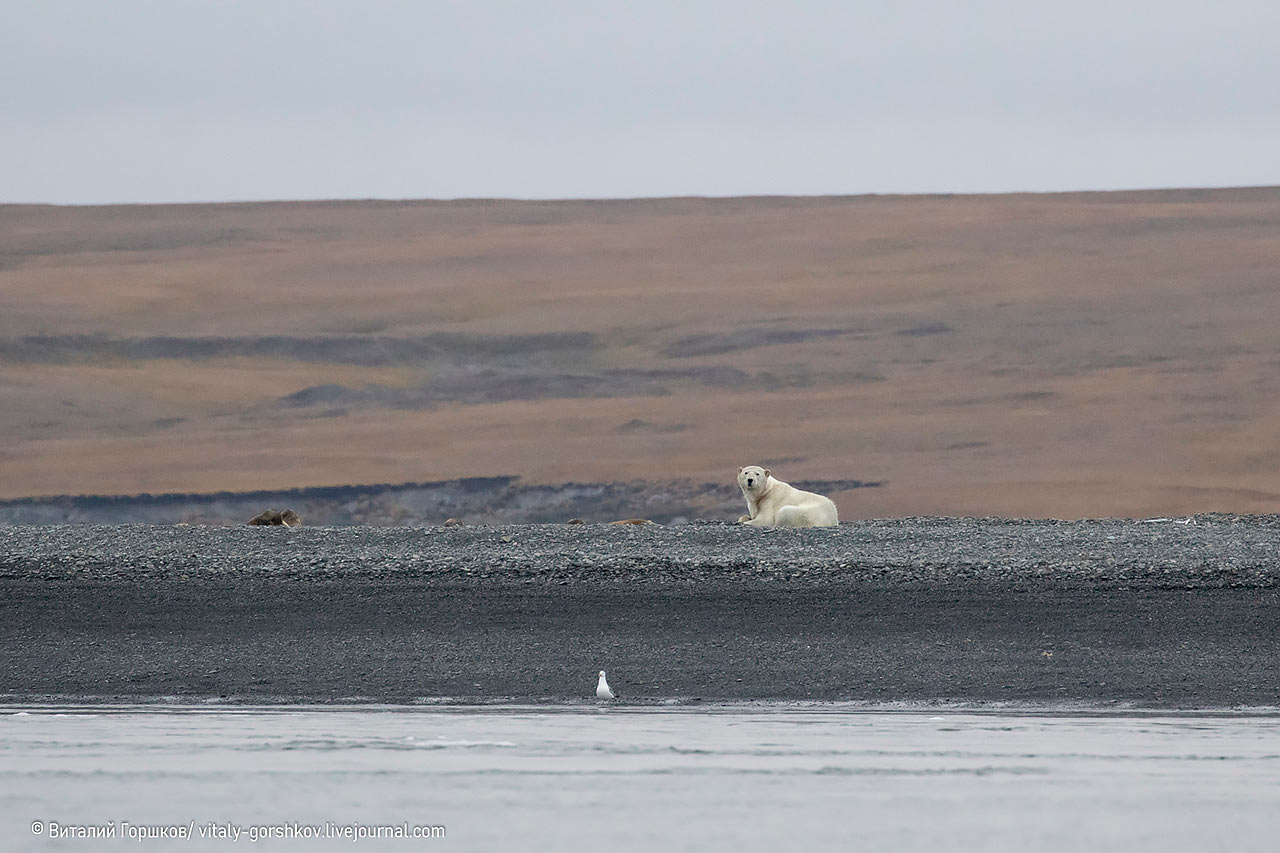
{"x": 486, "y": 199}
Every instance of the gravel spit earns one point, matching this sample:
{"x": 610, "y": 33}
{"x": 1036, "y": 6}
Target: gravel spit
{"x": 1155, "y": 613}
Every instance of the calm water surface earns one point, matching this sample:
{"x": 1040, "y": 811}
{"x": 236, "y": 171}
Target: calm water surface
{"x": 721, "y": 778}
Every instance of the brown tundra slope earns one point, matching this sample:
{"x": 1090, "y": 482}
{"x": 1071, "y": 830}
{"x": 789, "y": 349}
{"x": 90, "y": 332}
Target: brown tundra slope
{"x": 1071, "y": 355}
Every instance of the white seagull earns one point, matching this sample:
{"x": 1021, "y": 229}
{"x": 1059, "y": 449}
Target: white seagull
{"x": 602, "y": 688}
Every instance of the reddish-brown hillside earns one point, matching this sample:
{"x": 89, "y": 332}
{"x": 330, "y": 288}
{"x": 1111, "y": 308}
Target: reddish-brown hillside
{"x": 1044, "y": 355}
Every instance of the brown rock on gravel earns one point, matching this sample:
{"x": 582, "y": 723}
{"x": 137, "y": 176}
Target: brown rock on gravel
{"x": 274, "y": 517}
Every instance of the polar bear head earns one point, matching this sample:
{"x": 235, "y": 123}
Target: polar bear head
{"x": 752, "y": 479}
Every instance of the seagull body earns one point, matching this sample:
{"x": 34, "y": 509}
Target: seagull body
{"x": 603, "y": 690}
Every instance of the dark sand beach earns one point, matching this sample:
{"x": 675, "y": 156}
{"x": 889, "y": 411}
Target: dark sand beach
{"x": 1174, "y": 613}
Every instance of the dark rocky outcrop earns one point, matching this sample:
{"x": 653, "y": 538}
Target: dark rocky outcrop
{"x": 473, "y": 500}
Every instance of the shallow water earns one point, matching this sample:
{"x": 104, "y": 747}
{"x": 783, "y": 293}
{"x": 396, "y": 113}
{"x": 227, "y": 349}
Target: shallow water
{"x": 682, "y": 778}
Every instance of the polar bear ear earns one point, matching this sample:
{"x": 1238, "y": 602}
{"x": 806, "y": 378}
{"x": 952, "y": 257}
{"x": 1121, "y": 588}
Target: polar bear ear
{"x": 740, "y": 470}
{"x": 766, "y": 472}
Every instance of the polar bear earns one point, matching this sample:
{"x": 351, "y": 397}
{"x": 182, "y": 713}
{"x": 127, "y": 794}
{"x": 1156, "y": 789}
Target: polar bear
{"x": 773, "y": 503}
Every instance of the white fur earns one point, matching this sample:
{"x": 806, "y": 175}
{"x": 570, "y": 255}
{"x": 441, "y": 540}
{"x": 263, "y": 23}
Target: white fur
{"x": 773, "y": 503}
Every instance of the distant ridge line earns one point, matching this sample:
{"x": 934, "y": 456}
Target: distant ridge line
{"x": 483, "y": 201}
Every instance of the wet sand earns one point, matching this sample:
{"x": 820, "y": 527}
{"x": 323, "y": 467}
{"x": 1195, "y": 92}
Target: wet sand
{"x": 1161, "y": 615}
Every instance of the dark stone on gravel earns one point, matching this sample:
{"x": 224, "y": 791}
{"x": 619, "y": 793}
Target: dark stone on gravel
{"x": 1155, "y": 614}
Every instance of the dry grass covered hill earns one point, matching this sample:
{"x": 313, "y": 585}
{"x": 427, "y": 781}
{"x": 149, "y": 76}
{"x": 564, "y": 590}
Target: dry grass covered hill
{"x": 1037, "y": 355}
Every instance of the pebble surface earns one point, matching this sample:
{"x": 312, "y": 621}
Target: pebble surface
{"x": 1181, "y": 613}
{"x": 1201, "y": 552}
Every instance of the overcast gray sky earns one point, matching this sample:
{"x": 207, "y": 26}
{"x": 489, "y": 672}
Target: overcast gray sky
{"x": 211, "y": 100}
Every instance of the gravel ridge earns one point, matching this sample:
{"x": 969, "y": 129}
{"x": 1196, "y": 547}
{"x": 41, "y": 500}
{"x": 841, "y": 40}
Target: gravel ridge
{"x": 1200, "y": 552}
{"x": 1174, "y": 613}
